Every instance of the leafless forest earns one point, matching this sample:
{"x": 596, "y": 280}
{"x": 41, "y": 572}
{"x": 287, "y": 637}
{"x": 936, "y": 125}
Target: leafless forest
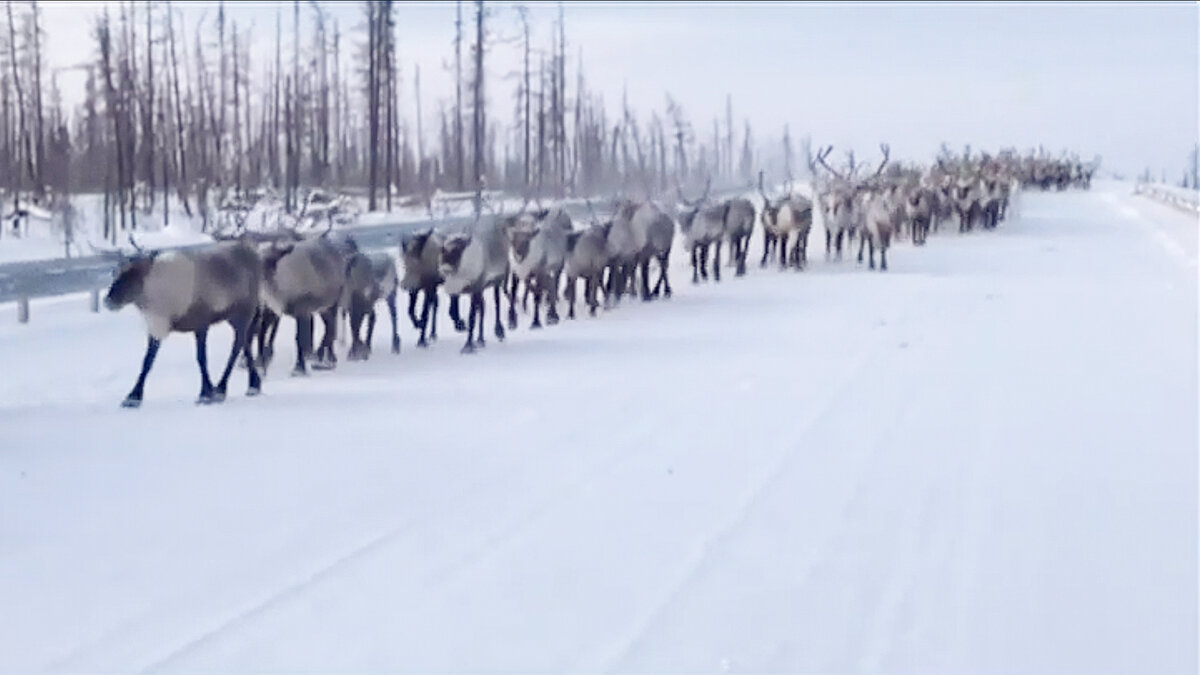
{"x": 177, "y": 107}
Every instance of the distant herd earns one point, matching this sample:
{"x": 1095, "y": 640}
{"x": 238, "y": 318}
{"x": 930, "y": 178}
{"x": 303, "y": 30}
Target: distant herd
{"x": 256, "y": 279}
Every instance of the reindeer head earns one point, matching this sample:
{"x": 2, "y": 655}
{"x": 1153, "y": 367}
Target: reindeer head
{"x": 520, "y": 240}
{"x": 129, "y": 280}
{"x": 452, "y": 253}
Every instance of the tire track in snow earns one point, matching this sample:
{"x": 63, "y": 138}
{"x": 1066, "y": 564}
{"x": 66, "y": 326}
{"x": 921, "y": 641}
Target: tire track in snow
{"x": 629, "y": 642}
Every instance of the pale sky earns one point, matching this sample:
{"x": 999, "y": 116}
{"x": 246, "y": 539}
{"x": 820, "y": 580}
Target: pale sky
{"x": 1116, "y": 80}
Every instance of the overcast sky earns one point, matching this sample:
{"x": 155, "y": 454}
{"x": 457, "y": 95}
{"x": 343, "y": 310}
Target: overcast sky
{"x": 1108, "y": 79}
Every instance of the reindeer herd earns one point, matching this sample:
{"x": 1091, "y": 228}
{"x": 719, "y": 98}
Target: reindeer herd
{"x": 255, "y": 280}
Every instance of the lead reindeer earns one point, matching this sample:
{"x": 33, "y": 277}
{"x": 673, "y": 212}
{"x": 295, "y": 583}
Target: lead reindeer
{"x": 187, "y": 292}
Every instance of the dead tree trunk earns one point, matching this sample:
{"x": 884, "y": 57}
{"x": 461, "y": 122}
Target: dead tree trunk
{"x": 480, "y": 129}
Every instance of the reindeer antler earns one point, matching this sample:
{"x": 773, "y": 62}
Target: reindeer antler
{"x": 137, "y": 248}
{"x": 887, "y": 151}
{"x": 821, "y": 158}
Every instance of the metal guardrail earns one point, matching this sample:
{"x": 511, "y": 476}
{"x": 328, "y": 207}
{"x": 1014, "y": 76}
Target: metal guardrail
{"x": 22, "y": 281}
{"x": 1183, "y": 198}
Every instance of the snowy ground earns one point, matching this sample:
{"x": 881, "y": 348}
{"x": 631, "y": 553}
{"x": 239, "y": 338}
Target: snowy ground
{"x": 982, "y": 461}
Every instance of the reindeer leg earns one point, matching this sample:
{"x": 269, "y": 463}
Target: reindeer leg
{"x": 412, "y": 310}
{"x": 304, "y": 338}
{"x": 512, "y": 307}
{"x": 499, "y": 328}
{"x": 717, "y": 261}
{"x": 537, "y": 303}
{"x": 695, "y": 263}
{"x": 391, "y": 305}
{"x": 240, "y": 326}
{"x": 862, "y": 241}
{"x": 551, "y": 295}
{"x": 871, "y": 253}
{"x": 472, "y": 313}
{"x": 431, "y": 306}
{"x": 766, "y": 248}
{"x": 206, "y": 387}
{"x": 370, "y": 333}
{"x": 570, "y": 293}
{"x": 456, "y": 315}
{"x": 783, "y": 250}
{"x": 134, "y": 398}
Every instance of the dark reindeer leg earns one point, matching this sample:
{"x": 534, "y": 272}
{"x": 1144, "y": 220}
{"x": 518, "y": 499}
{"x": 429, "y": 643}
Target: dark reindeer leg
{"x": 134, "y": 398}
{"x": 663, "y": 277}
{"x": 499, "y": 329}
{"x": 206, "y": 387}
{"x": 391, "y": 304}
{"x": 511, "y": 292}
{"x": 255, "y": 384}
{"x": 695, "y": 263}
{"x": 456, "y": 315}
{"x": 537, "y": 302}
{"x": 645, "y": 267}
{"x": 552, "y": 298}
{"x": 783, "y": 252}
{"x": 412, "y": 310}
{"x": 569, "y": 291}
{"x": 304, "y": 339}
{"x": 716, "y": 268}
{"x": 241, "y": 325}
{"x": 370, "y": 332}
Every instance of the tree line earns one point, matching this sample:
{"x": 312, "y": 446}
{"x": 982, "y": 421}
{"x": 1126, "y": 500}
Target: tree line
{"x": 178, "y": 108}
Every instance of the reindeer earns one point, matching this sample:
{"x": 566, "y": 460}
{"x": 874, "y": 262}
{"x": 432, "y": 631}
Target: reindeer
{"x": 421, "y": 252}
{"x": 837, "y": 206}
{"x": 587, "y": 258}
{"x": 187, "y": 292}
{"x": 369, "y": 278}
{"x": 790, "y": 213}
{"x": 920, "y": 210}
{"x": 703, "y": 226}
{"x": 537, "y": 248}
{"x": 471, "y": 263}
{"x": 739, "y": 225}
{"x": 879, "y": 216}
{"x": 301, "y": 279}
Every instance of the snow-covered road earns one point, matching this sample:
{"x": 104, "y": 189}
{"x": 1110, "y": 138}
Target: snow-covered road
{"x": 984, "y": 460}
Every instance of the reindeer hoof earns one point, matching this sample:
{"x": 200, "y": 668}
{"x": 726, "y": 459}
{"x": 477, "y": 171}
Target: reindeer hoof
{"x": 253, "y": 391}
{"x": 468, "y": 349}
{"x": 536, "y": 325}
{"x": 131, "y": 402}
{"x": 460, "y": 326}
{"x": 204, "y": 399}
{"x": 512, "y": 323}
{"x": 423, "y": 343}
{"x": 299, "y": 372}
{"x": 552, "y": 320}
{"x": 395, "y": 345}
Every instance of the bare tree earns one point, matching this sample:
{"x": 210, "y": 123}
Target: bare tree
{"x": 480, "y": 129}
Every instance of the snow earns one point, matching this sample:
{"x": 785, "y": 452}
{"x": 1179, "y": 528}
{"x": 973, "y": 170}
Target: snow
{"x": 983, "y": 460}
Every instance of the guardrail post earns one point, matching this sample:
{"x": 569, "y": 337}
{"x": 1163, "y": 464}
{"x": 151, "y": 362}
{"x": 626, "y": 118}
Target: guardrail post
{"x": 94, "y": 303}
{"x": 23, "y": 310}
